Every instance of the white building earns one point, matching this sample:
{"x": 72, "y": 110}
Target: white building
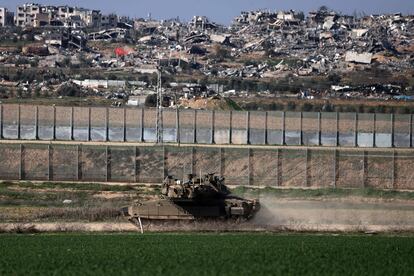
{"x": 25, "y": 14}
{"x": 287, "y": 16}
{"x": 36, "y": 15}
{"x": 92, "y": 18}
{"x": 6, "y": 17}
{"x": 2, "y": 16}
{"x": 40, "y": 20}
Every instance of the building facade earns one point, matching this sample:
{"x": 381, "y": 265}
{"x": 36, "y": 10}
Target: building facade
{"x": 26, "y": 14}
{"x": 6, "y": 17}
{"x": 35, "y": 15}
{"x": 109, "y": 21}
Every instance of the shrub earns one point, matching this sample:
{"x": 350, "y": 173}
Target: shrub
{"x": 69, "y": 90}
{"x": 151, "y": 100}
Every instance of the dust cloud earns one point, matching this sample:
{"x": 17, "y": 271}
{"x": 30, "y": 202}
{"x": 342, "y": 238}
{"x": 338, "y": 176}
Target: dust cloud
{"x": 347, "y": 214}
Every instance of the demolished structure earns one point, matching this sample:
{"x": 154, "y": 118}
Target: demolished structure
{"x": 259, "y": 46}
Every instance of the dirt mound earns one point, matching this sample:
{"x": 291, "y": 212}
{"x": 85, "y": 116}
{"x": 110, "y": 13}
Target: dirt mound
{"x": 212, "y": 103}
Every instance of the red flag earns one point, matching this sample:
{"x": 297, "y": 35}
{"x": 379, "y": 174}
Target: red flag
{"x": 120, "y": 52}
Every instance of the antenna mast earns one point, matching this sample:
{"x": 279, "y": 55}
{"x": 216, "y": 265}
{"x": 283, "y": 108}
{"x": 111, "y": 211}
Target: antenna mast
{"x": 159, "y": 126}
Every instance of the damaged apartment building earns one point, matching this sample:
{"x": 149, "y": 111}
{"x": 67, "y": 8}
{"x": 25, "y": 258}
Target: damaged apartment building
{"x": 36, "y": 15}
{"x": 258, "y": 46}
{"x": 6, "y": 17}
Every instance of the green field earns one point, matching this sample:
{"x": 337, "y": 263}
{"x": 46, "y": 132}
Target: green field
{"x": 205, "y": 254}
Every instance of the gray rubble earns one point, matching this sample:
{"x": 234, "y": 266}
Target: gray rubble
{"x": 258, "y": 45}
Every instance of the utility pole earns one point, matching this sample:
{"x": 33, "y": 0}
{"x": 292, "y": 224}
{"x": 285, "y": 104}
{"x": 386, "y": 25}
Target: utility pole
{"x": 159, "y": 127}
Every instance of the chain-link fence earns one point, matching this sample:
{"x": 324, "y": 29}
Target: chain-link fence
{"x": 206, "y": 127}
{"x": 249, "y": 166}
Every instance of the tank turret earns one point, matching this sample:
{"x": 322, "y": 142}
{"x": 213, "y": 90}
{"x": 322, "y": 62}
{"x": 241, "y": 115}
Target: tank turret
{"x": 207, "y": 187}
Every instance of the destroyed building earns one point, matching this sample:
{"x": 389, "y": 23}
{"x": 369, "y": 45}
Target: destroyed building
{"x": 6, "y": 17}
{"x": 202, "y": 23}
{"x": 259, "y": 49}
{"x": 36, "y": 15}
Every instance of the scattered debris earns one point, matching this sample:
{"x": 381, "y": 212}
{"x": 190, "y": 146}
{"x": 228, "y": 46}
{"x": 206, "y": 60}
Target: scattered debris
{"x": 364, "y": 58}
{"x": 259, "y": 46}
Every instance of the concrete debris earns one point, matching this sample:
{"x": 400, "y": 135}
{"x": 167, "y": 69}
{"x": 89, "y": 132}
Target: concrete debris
{"x": 358, "y": 33}
{"x": 364, "y": 58}
{"x": 108, "y": 35}
{"x": 109, "y": 83}
{"x": 38, "y": 50}
{"x": 221, "y": 39}
{"x": 259, "y": 46}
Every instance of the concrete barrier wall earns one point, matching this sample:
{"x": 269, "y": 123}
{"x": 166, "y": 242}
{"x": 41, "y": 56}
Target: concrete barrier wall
{"x": 28, "y": 122}
{"x": 247, "y": 165}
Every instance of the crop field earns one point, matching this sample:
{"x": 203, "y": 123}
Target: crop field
{"x": 205, "y": 254}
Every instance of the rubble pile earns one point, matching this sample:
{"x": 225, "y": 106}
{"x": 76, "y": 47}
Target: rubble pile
{"x": 261, "y": 46}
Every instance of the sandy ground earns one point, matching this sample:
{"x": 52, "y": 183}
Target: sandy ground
{"x": 328, "y": 215}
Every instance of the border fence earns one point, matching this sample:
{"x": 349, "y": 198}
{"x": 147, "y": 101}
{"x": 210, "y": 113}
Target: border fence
{"x": 316, "y": 167}
{"x": 206, "y": 127}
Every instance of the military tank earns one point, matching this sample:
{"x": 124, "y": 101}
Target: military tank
{"x": 205, "y": 197}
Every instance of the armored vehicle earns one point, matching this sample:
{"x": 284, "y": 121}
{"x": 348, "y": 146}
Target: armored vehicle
{"x": 194, "y": 198}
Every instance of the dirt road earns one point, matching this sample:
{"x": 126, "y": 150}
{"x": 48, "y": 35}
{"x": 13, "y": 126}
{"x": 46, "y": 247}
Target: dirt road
{"x": 327, "y": 215}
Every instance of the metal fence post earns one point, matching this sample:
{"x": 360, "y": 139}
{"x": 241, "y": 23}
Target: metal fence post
{"x": 71, "y": 122}
{"x": 283, "y": 128}
{"x": 308, "y": 168}
{"x": 1, "y": 121}
{"x": 392, "y": 130}
{"x": 89, "y": 124}
{"x": 78, "y": 162}
{"x": 374, "y": 140}
{"x": 54, "y": 122}
{"x": 36, "y": 122}
{"x": 212, "y": 127}
{"x": 248, "y": 127}
{"x": 222, "y": 161}
{"x": 135, "y": 164}
{"x": 336, "y": 167}
{"x": 192, "y": 160}
{"x": 164, "y": 167}
{"x": 21, "y": 164}
{"x": 177, "y": 126}
{"x": 142, "y": 125}
{"x": 356, "y": 130}
{"x": 124, "y": 127}
{"x": 249, "y": 167}
{"x": 18, "y": 123}
{"x": 50, "y": 163}
{"x": 393, "y": 176}
{"x": 195, "y": 127}
{"x": 319, "y": 129}
{"x": 411, "y": 130}
{"x": 230, "y": 126}
{"x": 279, "y": 168}
{"x": 106, "y": 124}
{"x": 337, "y": 128}
{"x": 107, "y": 163}
{"x": 301, "y": 129}
{"x": 265, "y": 128}
{"x": 365, "y": 169}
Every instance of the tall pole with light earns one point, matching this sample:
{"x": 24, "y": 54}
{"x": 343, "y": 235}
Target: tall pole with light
{"x": 159, "y": 125}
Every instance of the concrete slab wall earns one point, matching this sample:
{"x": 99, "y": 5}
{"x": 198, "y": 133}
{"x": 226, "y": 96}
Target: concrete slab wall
{"x": 261, "y": 166}
{"x": 28, "y": 122}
